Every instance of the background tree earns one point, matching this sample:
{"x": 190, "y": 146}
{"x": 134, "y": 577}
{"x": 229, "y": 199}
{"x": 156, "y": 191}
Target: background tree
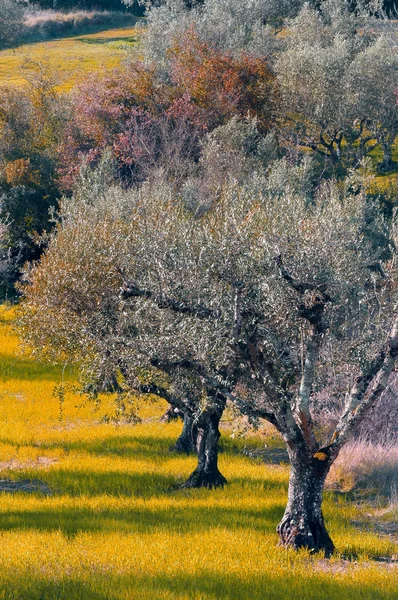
{"x": 32, "y": 119}
{"x": 372, "y": 94}
{"x": 229, "y": 26}
{"x": 11, "y": 20}
{"x": 324, "y": 73}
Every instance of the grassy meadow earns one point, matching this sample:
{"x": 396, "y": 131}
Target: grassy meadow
{"x": 69, "y": 58}
{"x": 93, "y": 511}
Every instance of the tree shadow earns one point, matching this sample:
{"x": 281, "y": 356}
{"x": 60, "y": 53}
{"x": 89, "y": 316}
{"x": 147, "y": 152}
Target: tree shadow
{"x": 142, "y": 518}
{"x": 103, "y": 41}
{"x": 204, "y": 585}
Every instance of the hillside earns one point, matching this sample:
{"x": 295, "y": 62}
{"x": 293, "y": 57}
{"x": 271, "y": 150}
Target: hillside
{"x": 71, "y": 58}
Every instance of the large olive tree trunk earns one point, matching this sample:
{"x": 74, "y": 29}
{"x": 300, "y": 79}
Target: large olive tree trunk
{"x": 206, "y": 473}
{"x": 303, "y": 525}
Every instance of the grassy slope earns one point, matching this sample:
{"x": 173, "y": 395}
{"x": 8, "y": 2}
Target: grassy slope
{"x": 114, "y": 527}
{"x": 71, "y": 58}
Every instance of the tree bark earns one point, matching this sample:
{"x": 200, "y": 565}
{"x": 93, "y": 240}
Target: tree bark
{"x": 186, "y": 443}
{"x": 303, "y": 525}
{"x": 206, "y": 473}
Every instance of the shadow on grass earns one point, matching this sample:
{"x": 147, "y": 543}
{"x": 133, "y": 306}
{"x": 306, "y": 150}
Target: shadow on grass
{"x": 140, "y": 448}
{"x": 12, "y": 367}
{"x": 205, "y": 585}
{"x": 147, "y": 484}
{"x": 143, "y": 519}
{"x": 102, "y": 41}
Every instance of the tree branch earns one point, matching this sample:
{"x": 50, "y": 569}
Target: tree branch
{"x": 164, "y": 302}
{"x": 302, "y": 409}
{"x": 366, "y": 390}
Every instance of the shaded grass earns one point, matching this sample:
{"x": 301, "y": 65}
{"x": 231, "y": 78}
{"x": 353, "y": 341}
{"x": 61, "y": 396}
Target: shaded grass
{"x": 116, "y": 526}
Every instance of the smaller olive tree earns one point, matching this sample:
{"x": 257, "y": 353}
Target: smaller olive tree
{"x": 78, "y": 304}
{"x": 337, "y": 82}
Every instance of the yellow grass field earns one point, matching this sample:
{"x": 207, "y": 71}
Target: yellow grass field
{"x": 91, "y": 511}
{"x": 70, "y": 58}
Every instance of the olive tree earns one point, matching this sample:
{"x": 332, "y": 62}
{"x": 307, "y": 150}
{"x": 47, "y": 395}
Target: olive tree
{"x": 373, "y": 94}
{"x": 231, "y": 25}
{"x": 77, "y": 303}
{"x": 337, "y": 79}
{"x": 272, "y": 289}
{"x": 259, "y": 297}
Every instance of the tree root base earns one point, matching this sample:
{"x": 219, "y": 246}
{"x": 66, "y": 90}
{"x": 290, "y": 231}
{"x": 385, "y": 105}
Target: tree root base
{"x": 206, "y": 480}
{"x": 314, "y": 537}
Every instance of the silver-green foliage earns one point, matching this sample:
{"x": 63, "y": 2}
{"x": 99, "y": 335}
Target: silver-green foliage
{"x": 338, "y": 81}
{"x": 230, "y": 24}
{"x": 11, "y": 17}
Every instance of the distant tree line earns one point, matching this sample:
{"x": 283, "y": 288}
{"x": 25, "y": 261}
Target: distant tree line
{"x": 135, "y": 7}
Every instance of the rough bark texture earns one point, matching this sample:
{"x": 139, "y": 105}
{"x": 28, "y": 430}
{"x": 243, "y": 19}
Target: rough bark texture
{"x": 206, "y": 473}
{"x": 186, "y": 443}
{"x": 303, "y": 525}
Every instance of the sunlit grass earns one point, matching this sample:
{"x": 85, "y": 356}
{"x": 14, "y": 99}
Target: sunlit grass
{"x": 111, "y": 522}
{"x": 69, "y": 58}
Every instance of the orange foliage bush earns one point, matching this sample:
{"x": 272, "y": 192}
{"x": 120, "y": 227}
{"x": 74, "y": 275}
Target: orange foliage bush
{"x": 222, "y": 84}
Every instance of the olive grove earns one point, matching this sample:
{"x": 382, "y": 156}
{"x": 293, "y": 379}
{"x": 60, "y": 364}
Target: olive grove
{"x": 219, "y": 243}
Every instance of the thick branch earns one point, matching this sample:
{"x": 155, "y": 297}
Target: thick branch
{"x": 302, "y": 412}
{"x": 366, "y": 390}
{"x": 164, "y": 302}
{"x": 300, "y": 286}
{"x": 160, "y": 391}
{"x": 221, "y": 387}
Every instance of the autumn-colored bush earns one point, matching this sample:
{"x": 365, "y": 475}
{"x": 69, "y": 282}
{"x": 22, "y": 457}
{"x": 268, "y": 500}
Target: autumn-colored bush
{"x": 150, "y": 122}
{"x": 222, "y": 84}
{"x": 142, "y": 120}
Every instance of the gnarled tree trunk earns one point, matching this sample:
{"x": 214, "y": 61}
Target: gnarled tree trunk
{"x": 206, "y": 473}
{"x": 186, "y": 443}
{"x": 303, "y": 525}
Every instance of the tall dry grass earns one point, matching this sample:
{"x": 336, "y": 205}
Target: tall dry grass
{"x": 369, "y": 467}
{"x": 48, "y": 24}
